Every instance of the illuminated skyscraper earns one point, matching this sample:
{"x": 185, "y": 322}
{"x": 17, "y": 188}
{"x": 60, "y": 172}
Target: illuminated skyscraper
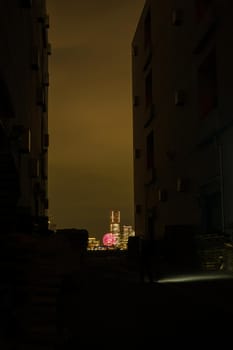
{"x": 126, "y": 233}
{"x": 115, "y": 218}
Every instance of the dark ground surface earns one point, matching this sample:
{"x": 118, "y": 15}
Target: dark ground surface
{"x": 106, "y": 306}
{"x": 62, "y": 302}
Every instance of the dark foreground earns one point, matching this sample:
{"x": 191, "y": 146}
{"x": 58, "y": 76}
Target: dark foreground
{"x": 51, "y": 300}
{"x": 107, "y": 306}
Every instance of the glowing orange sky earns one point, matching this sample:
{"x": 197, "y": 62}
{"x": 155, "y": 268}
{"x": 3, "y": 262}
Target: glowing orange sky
{"x": 90, "y": 113}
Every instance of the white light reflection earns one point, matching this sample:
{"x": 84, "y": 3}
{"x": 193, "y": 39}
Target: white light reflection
{"x": 196, "y": 277}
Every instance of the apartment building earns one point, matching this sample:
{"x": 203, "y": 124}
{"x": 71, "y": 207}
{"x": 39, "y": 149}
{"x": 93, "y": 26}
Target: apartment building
{"x": 24, "y": 82}
{"x": 182, "y": 90}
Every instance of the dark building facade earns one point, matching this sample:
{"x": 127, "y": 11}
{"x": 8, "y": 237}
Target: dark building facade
{"x": 24, "y": 82}
{"x": 182, "y": 118}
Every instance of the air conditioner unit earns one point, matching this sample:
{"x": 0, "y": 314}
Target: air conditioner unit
{"x": 179, "y": 98}
{"x": 177, "y": 17}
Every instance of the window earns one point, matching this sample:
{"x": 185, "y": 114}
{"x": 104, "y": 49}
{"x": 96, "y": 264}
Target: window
{"x": 150, "y": 150}
{"x": 201, "y": 8}
{"x": 138, "y": 209}
{"x": 44, "y": 167}
{"x": 135, "y": 50}
{"x": 36, "y": 58}
{"x": 211, "y": 220}
{"x": 46, "y": 203}
{"x": 35, "y": 167}
{"x": 179, "y": 97}
{"x": 177, "y": 17}
{"x": 136, "y": 101}
{"x": 49, "y": 49}
{"x": 45, "y": 141}
{"x": 151, "y": 226}
{"x": 25, "y": 140}
{"x": 162, "y": 195}
{"x": 148, "y": 89}
{"x": 207, "y": 85}
{"x": 147, "y": 30}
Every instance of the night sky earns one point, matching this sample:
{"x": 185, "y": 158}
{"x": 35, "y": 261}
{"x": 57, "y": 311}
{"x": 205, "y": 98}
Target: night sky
{"x": 90, "y": 112}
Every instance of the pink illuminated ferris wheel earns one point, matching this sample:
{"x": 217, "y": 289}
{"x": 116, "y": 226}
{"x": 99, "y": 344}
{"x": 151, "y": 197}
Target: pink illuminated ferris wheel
{"x": 109, "y": 239}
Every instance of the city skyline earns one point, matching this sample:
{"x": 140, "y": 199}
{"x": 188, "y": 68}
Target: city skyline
{"x": 90, "y": 112}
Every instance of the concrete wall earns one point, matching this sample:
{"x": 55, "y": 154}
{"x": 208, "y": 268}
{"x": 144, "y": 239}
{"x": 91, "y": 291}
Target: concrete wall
{"x": 187, "y": 146}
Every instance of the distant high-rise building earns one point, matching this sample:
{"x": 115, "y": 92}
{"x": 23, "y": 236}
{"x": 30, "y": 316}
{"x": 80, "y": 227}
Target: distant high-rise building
{"x": 24, "y": 138}
{"x": 93, "y": 243}
{"x": 127, "y": 231}
{"x": 115, "y": 219}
